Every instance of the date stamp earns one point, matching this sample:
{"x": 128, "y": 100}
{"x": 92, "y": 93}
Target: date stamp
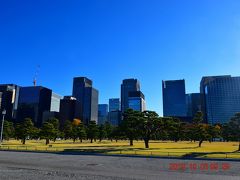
{"x": 200, "y": 166}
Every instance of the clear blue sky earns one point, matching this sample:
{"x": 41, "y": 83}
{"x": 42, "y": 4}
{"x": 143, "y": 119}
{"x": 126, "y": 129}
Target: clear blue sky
{"x": 109, "y": 40}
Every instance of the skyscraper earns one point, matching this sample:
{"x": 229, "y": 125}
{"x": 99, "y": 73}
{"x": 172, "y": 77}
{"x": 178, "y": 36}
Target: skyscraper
{"x": 55, "y": 102}
{"x": 88, "y": 97}
{"x": 220, "y": 97}
{"x": 70, "y": 109}
{"x": 102, "y": 113}
{"x": 114, "y": 104}
{"x": 136, "y": 101}
{"x": 9, "y": 100}
{"x": 174, "y": 98}
{"x": 193, "y": 102}
{"x": 114, "y": 115}
{"x": 128, "y": 85}
{"x": 33, "y": 102}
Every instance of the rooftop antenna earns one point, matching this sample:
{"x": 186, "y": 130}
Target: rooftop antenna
{"x": 36, "y": 75}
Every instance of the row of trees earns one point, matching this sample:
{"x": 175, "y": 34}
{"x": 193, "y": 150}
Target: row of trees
{"x": 136, "y": 125}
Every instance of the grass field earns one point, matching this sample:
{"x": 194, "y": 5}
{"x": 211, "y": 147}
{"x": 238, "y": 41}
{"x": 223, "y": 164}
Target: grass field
{"x": 157, "y": 148}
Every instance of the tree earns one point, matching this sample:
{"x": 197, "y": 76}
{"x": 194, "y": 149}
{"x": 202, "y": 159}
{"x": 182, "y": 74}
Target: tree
{"x": 67, "y": 130}
{"x": 117, "y": 134}
{"x": 148, "y": 126}
{"x": 56, "y": 125}
{"x": 129, "y": 124}
{"x": 92, "y": 131}
{"x": 24, "y": 130}
{"x": 48, "y": 132}
{"x": 8, "y": 131}
{"x": 102, "y": 132}
{"x": 234, "y": 127}
{"x": 75, "y": 126}
{"x": 109, "y": 130}
{"x": 201, "y": 133}
{"x": 82, "y": 132}
{"x": 214, "y": 132}
{"x": 200, "y": 129}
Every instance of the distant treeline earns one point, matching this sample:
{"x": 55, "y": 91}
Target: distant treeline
{"x": 136, "y": 125}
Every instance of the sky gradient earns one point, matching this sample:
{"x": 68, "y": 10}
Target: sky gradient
{"x": 110, "y": 40}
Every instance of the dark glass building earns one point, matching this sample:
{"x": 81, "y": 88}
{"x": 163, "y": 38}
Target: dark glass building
{"x": 70, "y": 109}
{"x": 128, "y": 85}
{"x": 136, "y": 101}
{"x": 102, "y": 113}
{"x": 174, "y": 98}
{"x": 114, "y": 104}
{"x": 114, "y": 118}
{"x": 33, "y": 102}
{"x": 88, "y": 97}
{"x": 193, "y": 101}
{"x": 49, "y": 115}
{"x": 220, "y": 97}
{"x": 9, "y": 100}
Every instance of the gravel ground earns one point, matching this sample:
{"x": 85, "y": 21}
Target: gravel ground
{"x": 34, "y": 166}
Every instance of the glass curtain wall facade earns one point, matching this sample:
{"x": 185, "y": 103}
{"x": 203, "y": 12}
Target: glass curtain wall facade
{"x": 220, "y": 98}
{"x": 174, "y": 98}
{"x": 33, "y": 102}
{"x": 128, "y": 85}
{"x": 88, "y": 97}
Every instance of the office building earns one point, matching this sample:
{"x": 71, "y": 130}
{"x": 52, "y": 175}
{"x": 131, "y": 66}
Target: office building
{"x": 174, "y": 98}
{"x": 114, "y": 118}
{"x": 70, "y": 109}
{"x": 9, "y": 100}
{"x": 193, "y": 102}
{"x": 220, "y": 97}
{"x": 33, "y": 102}
{"x": 114, "y": 104}
{"x": 128, "y": 85}
{"x": 102, "y": 113}
{"x": 55, "y": 102}
{"x": 88, "y": 97}
{"x": 136, "y": 101}
{"x": 49, "y": 115}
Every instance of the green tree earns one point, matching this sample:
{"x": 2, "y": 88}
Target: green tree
{"x": 149, "y": 124}
{"x": 92, "y": 131}
{"x": 109, "y": 129}
{"x": 67, "y": 130}
{"x": 24, "y": 130}
{"x": 82, "y": 134}
{"x": 8, "y": 131}
{"x": 214, "y": 132}
{"x": 56, "y": 125}
{"x": 234, "y": 127}
{"x": 200, "y": 130}
{"x": 129, "y": 124}
{"x": 48, "y": 132}
{"x": 75, "y": 132}
{"x": 102, "y": 132}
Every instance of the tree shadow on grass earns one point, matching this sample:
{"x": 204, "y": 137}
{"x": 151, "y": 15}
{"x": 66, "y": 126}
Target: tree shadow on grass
{"x": 202, "y": 154}
{"x": 184, "y": 148}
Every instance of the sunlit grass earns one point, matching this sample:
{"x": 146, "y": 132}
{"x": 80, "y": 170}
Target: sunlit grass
{"x": 157, "y": 148}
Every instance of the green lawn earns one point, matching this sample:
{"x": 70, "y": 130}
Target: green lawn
{"x": 157, "y": 148}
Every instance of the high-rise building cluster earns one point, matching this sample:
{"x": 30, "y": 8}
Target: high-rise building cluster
{"x": 41, "y": 103}
{"x": 131, "y": 98}
{"x": 218, "y": 99}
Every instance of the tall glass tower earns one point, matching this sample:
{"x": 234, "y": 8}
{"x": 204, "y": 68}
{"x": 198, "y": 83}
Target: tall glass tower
{"x": 174, "y": 98}
{"x": 128, "y": 85}
{"x": 88, "y": 97}
{"x": 220, "y": 98}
